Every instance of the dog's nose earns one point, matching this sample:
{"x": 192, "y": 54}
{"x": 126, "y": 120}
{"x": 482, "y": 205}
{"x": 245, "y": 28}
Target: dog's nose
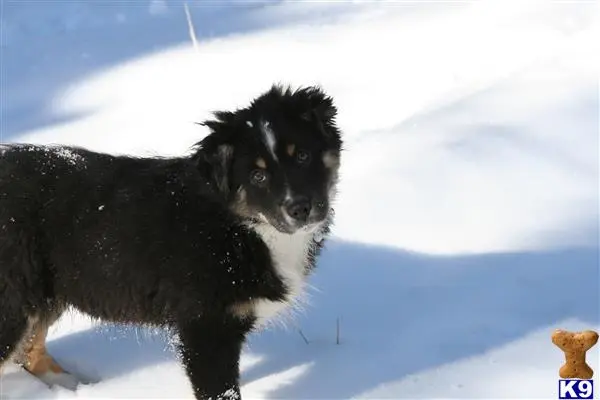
{"x": 298, "y": 208}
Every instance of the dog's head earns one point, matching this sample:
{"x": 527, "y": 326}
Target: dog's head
{"x": 277, "y": 160}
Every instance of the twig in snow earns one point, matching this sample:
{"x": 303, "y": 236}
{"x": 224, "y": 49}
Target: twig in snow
{"x": 302, "y": 334}
{"x": 191, "y": 29}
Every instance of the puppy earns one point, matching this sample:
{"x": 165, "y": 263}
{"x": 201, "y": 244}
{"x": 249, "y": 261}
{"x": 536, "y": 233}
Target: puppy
{"x": 210, "y": 245}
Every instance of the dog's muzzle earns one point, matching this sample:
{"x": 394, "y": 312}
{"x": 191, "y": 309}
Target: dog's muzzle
{"x": 298, "y": 209}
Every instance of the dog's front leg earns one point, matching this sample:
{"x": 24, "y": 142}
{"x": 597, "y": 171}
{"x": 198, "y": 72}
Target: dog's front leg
{"x": 211, "y": 349}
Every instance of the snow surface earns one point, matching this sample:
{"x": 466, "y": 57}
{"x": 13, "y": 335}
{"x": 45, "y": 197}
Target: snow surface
{"x": 467, "y": 220}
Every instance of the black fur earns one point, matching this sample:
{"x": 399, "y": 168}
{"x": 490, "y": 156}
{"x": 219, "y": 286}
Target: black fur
{"x": 167, "y": 242}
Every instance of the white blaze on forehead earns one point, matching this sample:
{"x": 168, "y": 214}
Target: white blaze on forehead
{"x": 269, "y": 138}
{"x": 288, "y": 198}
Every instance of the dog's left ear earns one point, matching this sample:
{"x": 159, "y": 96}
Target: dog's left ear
{"x": 319, "y": 107}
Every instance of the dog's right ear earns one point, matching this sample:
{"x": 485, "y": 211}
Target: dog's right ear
{"x": 214, "y": 154}
{"x": 219, "y": 160}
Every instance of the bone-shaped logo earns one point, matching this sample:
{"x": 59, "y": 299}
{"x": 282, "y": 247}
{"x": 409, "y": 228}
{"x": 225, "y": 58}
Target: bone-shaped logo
{"x": 575, "y": 345}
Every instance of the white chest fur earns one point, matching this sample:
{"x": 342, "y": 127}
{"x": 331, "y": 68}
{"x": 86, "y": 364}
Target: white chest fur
{"x": 290, "y": 257}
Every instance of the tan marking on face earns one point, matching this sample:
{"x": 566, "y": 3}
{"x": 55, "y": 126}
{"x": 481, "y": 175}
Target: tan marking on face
{"x": 290, "y": 149}
{"x": 331, "y": 160}
{"x": 261, "y": 163}
{"x": 36, "y": 359}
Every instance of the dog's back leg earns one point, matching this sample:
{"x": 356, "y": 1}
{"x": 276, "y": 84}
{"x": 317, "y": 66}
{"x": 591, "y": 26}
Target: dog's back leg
{"x": 13, "y": 326}
{"x": 34, "y": 356}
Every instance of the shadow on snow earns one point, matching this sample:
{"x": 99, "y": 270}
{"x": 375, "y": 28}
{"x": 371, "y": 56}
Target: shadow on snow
{"x": 400, "y": 313}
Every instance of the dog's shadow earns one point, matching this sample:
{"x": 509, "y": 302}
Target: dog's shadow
{"x": 403, "y": 313}
{"x": 388, "y": 300}
{"x": 107, "y": 351}
{"x": 91, "y": 356}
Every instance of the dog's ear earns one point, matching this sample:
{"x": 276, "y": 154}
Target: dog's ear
{"x": 215, "y": 153}
{"x": 317, "y": 106}
{"x": 219, "y": 161}
{"x": 322, "y": 113}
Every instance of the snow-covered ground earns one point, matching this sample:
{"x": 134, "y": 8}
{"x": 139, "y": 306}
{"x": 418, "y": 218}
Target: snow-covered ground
{"x": 467, "y": 223}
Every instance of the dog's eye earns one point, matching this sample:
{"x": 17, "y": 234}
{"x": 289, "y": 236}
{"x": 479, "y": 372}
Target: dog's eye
{"x": 258, "y": 176}
{"x": 302, "y": 156}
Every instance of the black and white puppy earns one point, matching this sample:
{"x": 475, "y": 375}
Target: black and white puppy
{"x": 210, "y": 245}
